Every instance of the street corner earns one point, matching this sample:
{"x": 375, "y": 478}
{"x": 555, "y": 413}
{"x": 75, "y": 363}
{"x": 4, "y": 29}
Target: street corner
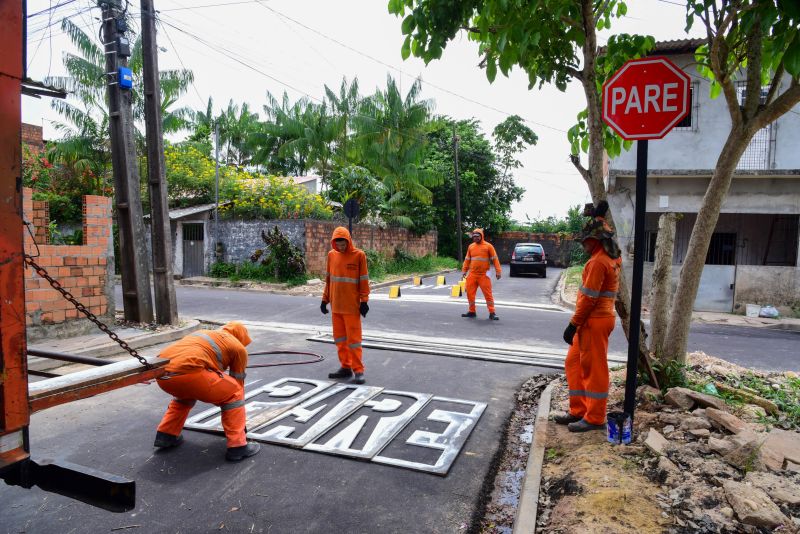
{"x": 696, "y": 458}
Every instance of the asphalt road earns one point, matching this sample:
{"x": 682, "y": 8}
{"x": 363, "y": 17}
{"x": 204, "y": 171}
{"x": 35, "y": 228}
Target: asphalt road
{"x": 191, "y": 489}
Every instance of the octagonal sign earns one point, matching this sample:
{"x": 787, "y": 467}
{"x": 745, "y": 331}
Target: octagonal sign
{"x": 646, "y": 98}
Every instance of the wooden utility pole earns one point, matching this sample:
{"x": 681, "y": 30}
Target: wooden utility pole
{"x": 160, "y": 233}
{"x": 136, "y": 297}
{"x": 459, "y": 230}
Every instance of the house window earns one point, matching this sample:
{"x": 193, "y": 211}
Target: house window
{"x": 759, "y": 154}
{"x": 689, "y": 122}
{"x": 722, "y": 250}
{"x": 650, "y": 248}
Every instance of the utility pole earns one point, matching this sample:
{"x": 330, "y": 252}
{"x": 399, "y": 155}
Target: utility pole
{"x": 216, "y": 187}
{"x": 136, "y": 297}
{"x": 458, "y": 197}
{"x": 160, "y": 233}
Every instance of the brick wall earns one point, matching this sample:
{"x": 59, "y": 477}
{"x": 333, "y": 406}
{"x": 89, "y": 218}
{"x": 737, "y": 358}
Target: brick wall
{"x": 557, "y": 247}
{"x": 83, "y": 270}
{"x": 385, "y": 240}
{"x": 32, "y": 137}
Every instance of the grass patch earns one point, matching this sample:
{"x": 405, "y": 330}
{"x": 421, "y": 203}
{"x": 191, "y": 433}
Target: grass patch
{"x": 785, "y": 393}
{"x": 254, "y": 272}
{"x": 572, "y": 276}
{"x": 403, "y": 263}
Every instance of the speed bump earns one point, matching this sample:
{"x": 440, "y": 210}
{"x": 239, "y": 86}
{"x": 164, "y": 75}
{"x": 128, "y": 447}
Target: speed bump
{"x": 456, "y": 291}
{"x": 440, "y": 281}
{"x": 394, "y": 292}
{"x": 417, "y": 281}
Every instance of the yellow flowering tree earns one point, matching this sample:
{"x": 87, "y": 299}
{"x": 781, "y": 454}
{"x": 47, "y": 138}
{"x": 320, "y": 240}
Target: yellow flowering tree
{"x": 272, "y": 197}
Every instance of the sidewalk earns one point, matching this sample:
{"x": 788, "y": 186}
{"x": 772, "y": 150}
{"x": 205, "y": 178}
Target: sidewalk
{"x": 99, "y": 345}
{"x": 566, "y": 296}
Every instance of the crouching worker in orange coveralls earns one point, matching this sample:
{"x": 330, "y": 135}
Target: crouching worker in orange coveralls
{"x": 347, "y": 291}
{"x": 480, "y": 256}
{"x": 586, "y": 365}
{"x": 195, "y": 373}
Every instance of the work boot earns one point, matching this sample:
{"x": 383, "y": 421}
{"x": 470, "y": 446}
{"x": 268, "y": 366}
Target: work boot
{"x": 167, "y": 441}
{"x": 237, "y": 454}
{"x": 493, "y": 317}
{"x": 583, "y": 426}
{"x": 471, "y": 315}
{"x": 358, "y": 378}
{"x": 566, "y": 419}
{"x": 343, "y": 372}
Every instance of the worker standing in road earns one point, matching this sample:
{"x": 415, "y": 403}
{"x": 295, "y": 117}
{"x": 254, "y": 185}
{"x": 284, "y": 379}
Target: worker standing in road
{"x": 480, "y": 256}
{"x": 347, "y": 291}
{"x": 195, "y": 373}
{"x": 591, "y": 325}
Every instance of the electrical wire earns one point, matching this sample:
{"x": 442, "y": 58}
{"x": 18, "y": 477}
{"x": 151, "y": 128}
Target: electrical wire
{"x": 393, "y": 67}
{"x": 51, "y": 8}
{"x": 317, "y": 358}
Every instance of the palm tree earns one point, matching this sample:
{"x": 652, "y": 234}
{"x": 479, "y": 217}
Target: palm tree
{"x": 86, "y": 144}
{"x": 236, "y": 127}
{"x": 391, "y": 139}
{"x": 344, "y": 107}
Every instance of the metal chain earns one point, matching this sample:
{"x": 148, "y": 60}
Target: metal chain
{"x": 41, "y": 271}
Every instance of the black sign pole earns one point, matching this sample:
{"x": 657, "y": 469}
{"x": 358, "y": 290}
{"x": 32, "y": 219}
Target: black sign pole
{"x": 638, "y": 272}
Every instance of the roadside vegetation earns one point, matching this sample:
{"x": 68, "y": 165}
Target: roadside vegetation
{"x": 403, "y": 263}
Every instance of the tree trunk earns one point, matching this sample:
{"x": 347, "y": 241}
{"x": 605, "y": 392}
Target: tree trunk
{"x": 707, "y": 216}
{"x": 662, "y": 283}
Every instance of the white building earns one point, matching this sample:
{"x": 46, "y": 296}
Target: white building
{"x": 753, "y": 256}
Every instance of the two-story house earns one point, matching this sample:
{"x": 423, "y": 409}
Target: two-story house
{"x": 753, "y": 256}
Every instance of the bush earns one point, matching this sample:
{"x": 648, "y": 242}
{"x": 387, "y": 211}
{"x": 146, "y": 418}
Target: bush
{"x": 376, "y": 264}
{"x": 285, "y": 259}
{"x": 252, "y": 271}
{"x": 272, "y": 197}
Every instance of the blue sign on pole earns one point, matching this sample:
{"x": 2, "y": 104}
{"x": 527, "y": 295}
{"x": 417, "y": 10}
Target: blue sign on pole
{"x": 125, "y": 77}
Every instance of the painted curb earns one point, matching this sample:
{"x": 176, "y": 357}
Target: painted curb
{"x": 525, "y": 521}
{"x": 112, "y": 349}
{"x": 562, "y": 300}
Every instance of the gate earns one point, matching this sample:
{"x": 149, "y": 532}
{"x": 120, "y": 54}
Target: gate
{"x": 715, "y": 293}
{"x": 193, "y": 249}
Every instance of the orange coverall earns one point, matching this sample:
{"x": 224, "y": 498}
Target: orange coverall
{"x": 480, "y": 256}
{"x": 195, "y": 373}
{"x": 346, "y": 287}
{"x": 586, "y": 365}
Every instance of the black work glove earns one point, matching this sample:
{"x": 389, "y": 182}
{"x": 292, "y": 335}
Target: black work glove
{"x": 323, "y": 307}
{"x": 363, "y": 308}
{"x": 569, "y": 333}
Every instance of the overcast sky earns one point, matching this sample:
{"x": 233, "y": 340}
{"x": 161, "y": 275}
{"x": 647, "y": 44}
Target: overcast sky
{"x": 243, "y": 48}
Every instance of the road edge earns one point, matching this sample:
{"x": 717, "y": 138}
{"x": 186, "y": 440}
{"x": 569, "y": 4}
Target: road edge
{"x": 525, "y": 520}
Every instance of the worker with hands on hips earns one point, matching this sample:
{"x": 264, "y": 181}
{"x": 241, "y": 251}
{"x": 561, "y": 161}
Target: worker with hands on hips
{"x": 195, "y": 372}
{"x": 347, "y": 291}
{"x": 481, "y": 255}
{"x": 590, "y": 327}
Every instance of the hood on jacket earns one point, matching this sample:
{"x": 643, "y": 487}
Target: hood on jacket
{"x": 341, "y": 233}
{"x": 239, "y": 331}
{"x": 478, "y": 231}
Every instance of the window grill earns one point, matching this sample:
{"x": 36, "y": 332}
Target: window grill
{"x": 193, "y": 232}
{"x": 722, "y": 250}
{"x": 758, "y": 154}
{"x": 689, "y": 122}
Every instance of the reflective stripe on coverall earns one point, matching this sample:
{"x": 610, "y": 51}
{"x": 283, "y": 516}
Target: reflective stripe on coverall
{"x": 346, "y": 287}
{"x": 195, "y": 372}
{"x": 480, "y": 257}
{"x": 586, "y": 364}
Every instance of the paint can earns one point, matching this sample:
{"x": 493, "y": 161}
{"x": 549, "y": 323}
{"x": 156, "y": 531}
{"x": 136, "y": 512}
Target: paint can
{"x": 620, "y": 428}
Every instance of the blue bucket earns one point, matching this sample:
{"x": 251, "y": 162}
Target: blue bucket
{"x": 620, "y": 428}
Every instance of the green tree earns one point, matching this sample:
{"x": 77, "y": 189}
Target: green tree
{"x": 236, "y": 127}
{"x": 390, "y": 132}
{"x": 356, "y": 182}
{"x": 485, "y": 199}
{"x": 510, "y": 138}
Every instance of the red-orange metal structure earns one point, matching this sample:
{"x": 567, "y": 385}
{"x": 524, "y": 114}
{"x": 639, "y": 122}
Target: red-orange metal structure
{"x": 14, "y": 412}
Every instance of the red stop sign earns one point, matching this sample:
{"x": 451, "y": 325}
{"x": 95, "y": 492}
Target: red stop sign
{"x": 645, "y": 98}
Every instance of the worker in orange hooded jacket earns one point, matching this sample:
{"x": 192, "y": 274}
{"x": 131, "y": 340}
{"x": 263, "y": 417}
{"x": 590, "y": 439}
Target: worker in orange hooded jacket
{"x": 347, "y": 291}
{"x": 195, "y": 372}
{"x": 480, "y": 256}
{"x": 590, "y": 327}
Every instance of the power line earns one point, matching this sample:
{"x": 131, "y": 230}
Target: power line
{"x": 673, "y": 3}
{"x": 371, "y": 58}
{"x": 51, "y": 8}
{"x": 175, "y": 48}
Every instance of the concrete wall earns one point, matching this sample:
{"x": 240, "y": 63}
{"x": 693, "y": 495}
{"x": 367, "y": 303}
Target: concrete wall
{"x": 85, "y": 270}
{"x": 241, "y": 238}
{"x": 778, "y": 286}
{"x": 557, "y": 248}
